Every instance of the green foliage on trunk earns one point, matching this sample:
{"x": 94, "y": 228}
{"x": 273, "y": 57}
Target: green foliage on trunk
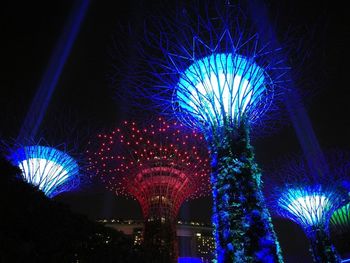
{"x": 243, "y": 227}
{"x": 321, "y": 246}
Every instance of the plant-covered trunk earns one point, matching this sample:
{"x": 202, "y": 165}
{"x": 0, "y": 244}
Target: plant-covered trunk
{"x": 321, "y": 247}
{"x": 160, "y": 241}
{"x": 242, "y": 224}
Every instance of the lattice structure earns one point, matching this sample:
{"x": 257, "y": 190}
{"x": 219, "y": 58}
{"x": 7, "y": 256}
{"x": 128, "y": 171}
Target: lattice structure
{"x": 160, "y": 165}
{"x": 309, "y": 196}
{"x": 210, "y": 68}
{"x": 340, "y": 220}
{"x": 215, "y": 74}
{"x": 223, "y": 87}
{"x": 161, "y": 191}
{"x": 309, "y": 206}
{"x": 51, "y": 170}
{"x": 340, "y": 229}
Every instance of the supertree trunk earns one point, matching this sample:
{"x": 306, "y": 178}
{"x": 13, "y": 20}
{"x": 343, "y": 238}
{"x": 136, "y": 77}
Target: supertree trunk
{"x": 160, "y": 241}
{"x": 321, "y": 247}
{"x": 243, "y": 227}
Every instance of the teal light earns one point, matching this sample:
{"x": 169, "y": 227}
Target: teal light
{"x": 307, "y": 208}
{"x": 51, "y": 170}
{"x": 222, "y": 86}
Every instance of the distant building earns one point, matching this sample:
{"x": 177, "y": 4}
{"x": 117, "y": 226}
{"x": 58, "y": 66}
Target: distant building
{"x": 195, "y": 240}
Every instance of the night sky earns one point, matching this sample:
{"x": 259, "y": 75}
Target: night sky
{"x": 30, "y": 30}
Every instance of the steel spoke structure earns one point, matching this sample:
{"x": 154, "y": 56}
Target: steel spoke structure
{"x": 51, "y": 170}
{"x": 160, "y": 165}
{"x": 340, "y": 229}
{"x": 207, "y": 66}
{"x": 340, "y": 220}
{"x": 310, "y": 197}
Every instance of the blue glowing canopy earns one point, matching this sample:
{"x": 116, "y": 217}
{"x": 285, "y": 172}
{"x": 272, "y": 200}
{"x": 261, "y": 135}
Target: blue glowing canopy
{"x": 308, "y": 206}
{"x": 222, "y": 87}
{"x": 51, "y": 170}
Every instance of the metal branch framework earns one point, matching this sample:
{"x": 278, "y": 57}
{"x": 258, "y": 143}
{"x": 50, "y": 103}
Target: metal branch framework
{"x": 310, "y": 195}
{"x": 307, "y": 194}
{"x": 51, "y": 170}
{"x": 340, "y": 220}
{"x": 204, "y": 66}
{"x": 223, "y": 88}
{"x": 211, "y": 69}
{"x": 160, "y": 165}
{"x": 309, "y": 206}
{"x": 340, "y": 228}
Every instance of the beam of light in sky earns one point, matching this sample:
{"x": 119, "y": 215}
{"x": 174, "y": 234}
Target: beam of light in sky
{"x": 299, "y": 117}
{"x": 51, "y": 76}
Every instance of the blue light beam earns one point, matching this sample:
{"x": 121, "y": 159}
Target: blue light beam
{"x": 51, "y": 76}
{"x": 299, "y": 117}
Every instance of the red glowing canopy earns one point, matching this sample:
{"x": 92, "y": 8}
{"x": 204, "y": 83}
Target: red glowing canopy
{"x": 161, "y": 165}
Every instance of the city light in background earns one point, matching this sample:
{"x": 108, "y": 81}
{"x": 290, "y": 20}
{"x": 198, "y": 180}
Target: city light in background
{"x": 277, "y": 70}
{"x": 160, "y": 165}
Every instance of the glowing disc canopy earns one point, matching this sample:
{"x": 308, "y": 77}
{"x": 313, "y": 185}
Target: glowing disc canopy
{"x": 160, "y": 165}
{"x": 222, "y": 86}
{"x": 51, "y": 170}
{"x": 340, "y": 220}
{"x": 306, "y": 208}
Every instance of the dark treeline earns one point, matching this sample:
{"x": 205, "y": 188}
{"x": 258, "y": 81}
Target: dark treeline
{"x": 34, "y": 228}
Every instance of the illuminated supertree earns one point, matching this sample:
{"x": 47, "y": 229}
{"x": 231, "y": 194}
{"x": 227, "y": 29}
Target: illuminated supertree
{"x": 340, "y": 220}
{"x": 160, "y": 165}
{"x": 309, "y": 197}
{"x": 218, "y": 77}
{"x": 51, "y": 170}
{"x": 340, "y": 229}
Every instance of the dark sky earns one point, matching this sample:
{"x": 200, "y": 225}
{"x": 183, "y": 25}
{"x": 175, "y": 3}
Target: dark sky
{"x": 30, "y": 30}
